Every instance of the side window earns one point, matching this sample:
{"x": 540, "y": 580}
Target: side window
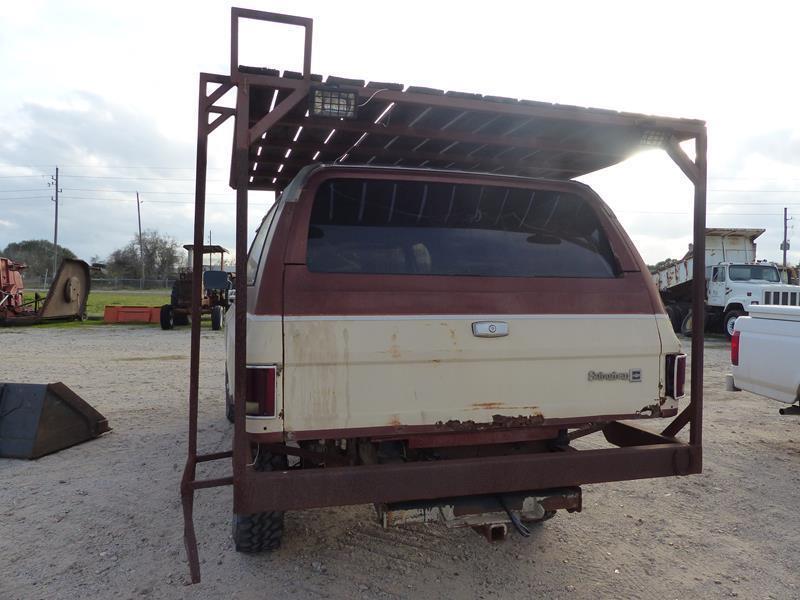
{"x": 420, "y": 228}
{"x": 257, "y": 247}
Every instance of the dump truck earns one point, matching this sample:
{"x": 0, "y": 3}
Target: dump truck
{"x": 434, "y": 313}
{"x": 65, "y": 300}
{"x": 734, "y": 281}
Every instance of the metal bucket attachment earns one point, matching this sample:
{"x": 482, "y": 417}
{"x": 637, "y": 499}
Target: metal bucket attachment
{"x": 38, "y": 419}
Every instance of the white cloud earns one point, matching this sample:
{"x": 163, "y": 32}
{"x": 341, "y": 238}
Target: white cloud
{"x": 114, "y": 86}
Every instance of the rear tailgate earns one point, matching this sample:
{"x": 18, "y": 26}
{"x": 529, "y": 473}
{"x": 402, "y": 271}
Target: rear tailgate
{"x": 419, "y": 370}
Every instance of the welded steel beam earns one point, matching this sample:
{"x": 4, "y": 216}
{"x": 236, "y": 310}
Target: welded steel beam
{"x": 315, "y": 488}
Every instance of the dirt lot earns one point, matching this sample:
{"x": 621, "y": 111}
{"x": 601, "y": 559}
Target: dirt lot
{"x": 103, "y": 519}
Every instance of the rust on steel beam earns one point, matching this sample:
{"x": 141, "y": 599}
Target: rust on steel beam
{"x": 380, "y": 152}
{"x": 189, "y": 472}
{"x": 280, "y": 110}
{"x": 526, "y": 142}
{"x": 270, "y": 17}
{"x": 523, "y": 108}
{"x": 241, "y": 455}
{"x": 538, "y": 110}
{"x": 678, "y": 156}
{"x": 678, "y": 423}
{"x": 624, "y": 435}
{"x": 221, "y": 118}
{"x": 698, "y": 291}
{"x": 315, "y": 488}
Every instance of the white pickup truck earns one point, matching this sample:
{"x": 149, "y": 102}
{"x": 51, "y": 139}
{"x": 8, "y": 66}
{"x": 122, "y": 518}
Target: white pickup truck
{"x": 765, "y": 354}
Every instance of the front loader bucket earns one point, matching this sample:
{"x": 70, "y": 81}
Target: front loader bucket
{"x": 40, "y": 418}
{"x": 68, "y": 292}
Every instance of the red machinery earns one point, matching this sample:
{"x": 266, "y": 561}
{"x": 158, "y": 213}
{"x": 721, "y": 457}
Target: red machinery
{"x": 66, "y": 298}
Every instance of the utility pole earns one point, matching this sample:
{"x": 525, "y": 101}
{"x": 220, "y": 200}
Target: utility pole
{"x": 54, "y": 181}
{"x": 141, "y": 246}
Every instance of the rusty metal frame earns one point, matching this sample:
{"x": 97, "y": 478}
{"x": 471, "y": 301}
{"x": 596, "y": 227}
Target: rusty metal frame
{"x": 639, "y": 454}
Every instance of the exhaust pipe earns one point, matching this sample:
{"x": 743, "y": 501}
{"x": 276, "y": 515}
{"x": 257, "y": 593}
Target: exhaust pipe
{"x": 493, "y": 532}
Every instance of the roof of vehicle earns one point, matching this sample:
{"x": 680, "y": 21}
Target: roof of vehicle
{"x": 412, "y": 126}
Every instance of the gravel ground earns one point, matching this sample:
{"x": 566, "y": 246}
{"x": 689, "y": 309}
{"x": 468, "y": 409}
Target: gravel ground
{"x": 103, "y": 519}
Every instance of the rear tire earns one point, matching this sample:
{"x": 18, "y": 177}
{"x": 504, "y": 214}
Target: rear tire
{"x": 686, "y": 325}
{"x": 674, "y": 314}
{"x": 260, "y": 532}
{"x": 216, "y": 318}
{"x": 729, "y": 321}
{"x": 167, "y": 317}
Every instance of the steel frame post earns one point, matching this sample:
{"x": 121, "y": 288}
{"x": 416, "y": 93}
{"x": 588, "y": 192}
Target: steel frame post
{"x": 240, "y": 158}
{"x": 698, "y": 290}
{"x": 189, "y": 472}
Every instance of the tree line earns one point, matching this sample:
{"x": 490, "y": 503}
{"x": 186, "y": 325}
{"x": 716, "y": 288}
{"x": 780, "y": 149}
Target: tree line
{"x": 160, "y": 254}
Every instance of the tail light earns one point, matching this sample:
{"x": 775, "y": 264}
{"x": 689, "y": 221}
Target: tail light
{"x": 735, "y": 349}
{"x": 676, "y": 375}
{"x": 261, "y": 389}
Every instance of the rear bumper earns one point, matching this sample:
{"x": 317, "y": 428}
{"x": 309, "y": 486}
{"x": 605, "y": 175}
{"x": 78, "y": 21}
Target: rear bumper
{"x": 641, "y": 455}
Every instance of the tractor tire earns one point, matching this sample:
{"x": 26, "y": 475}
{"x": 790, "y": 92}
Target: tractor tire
{"x": 216, "y": 318}
{"x": 260, "y": 532}
{"x": 674, "y": 315}
{"x": 167, "y": 317}
{"x": 686, "y": 325}
{"x": 729, "y": 321}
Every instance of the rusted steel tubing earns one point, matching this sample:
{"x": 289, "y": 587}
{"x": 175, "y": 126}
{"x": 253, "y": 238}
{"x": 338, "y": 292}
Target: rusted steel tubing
{"x": 315, "y": 488}
{"x": 209, "y": 483}
{"x": 214, "y": 456}
{"x": 698, "y": 291}
{"x": 241, "y": 453}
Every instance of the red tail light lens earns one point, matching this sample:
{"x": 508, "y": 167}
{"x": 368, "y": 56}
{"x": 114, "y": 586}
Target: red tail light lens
{"x": 675, "y": 375}
{"x": 735, "y": 349}
{"x": 261, "y": 388}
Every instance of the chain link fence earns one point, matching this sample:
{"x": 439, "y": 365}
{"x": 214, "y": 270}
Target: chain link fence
{"x": 108, "y": 283}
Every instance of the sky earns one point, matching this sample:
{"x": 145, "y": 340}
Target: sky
{"x": 107, "y": 92}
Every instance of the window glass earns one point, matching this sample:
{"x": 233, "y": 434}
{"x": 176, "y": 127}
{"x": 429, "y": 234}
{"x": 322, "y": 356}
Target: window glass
{"x": 257, "y": 247}
{"x": 393, "y": 227}
{"x": 754, "y": 272}
{"x": 719, "y": 274}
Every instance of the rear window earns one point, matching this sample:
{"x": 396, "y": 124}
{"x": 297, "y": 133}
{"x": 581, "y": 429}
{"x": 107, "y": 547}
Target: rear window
{"x": 401, "y": 227}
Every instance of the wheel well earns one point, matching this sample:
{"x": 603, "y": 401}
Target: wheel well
{"x": 734, "y": 306}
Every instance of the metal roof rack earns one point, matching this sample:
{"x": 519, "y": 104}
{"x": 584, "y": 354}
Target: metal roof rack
{"x": 286, "y": 121}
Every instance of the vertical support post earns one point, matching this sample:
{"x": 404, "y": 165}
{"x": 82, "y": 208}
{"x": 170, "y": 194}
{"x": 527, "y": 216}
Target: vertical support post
{"x": 241, "y": 449}
{"x": 141, "y": 245}
{"x": 187, "y": 492}
{"x": 785, "y": 245}
{"x": 698, "y": 291}
{"x": 55, "y": 231}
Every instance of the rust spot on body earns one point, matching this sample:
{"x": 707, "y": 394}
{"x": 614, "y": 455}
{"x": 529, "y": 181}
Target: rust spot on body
{"x": 498, "y": 421}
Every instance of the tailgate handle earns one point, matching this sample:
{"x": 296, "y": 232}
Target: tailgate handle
{"x": 490, "y": 329}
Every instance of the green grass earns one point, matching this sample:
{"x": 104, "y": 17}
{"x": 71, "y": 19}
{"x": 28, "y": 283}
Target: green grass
{"x": 97, "y": 301}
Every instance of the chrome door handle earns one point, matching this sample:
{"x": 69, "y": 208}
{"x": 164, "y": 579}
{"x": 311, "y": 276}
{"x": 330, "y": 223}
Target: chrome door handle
{"x": 490, "y": 329}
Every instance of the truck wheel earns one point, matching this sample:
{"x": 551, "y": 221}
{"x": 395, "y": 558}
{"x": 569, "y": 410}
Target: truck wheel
{"x": 686, "y": 325}
{"x": 260, "y": 532}
{"x": 167, "y": 317}
{"x": 216, "y": 318}
{"x": 674, "y": 314}
{"x": 730, "y": 320}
